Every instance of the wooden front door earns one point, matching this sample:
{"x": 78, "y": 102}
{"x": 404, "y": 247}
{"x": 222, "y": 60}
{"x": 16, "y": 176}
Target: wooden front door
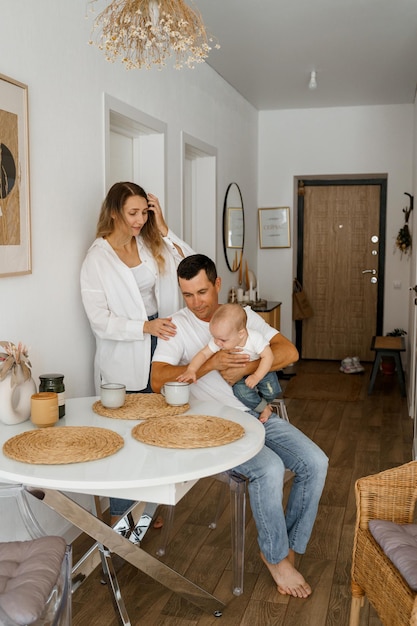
{"x": 341, "y": 236}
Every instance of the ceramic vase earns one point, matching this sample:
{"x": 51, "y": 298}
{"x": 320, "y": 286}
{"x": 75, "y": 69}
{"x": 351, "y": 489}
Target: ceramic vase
{"x": 15, "y": 397}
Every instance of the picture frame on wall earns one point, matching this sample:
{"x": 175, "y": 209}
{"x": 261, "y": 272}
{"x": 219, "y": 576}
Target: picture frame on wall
{"x": 15, "y": 232}
{"x": 274, "y": 227}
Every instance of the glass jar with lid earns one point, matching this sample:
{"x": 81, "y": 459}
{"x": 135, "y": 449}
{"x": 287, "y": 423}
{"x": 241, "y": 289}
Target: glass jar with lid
{"x": 54, "y": 382}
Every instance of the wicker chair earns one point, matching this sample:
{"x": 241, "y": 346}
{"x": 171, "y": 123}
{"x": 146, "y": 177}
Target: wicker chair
{"x": 390, "y": 495}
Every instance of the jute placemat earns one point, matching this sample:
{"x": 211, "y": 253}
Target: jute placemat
{"x": 66, "y": 444}
{"x": 141, "y": 406}
{"x": 188, "y": 431}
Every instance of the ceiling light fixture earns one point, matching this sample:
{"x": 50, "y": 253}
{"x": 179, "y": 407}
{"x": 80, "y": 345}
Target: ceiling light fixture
{"x": 143, "y": 33}
{"x": 313, "y": 81}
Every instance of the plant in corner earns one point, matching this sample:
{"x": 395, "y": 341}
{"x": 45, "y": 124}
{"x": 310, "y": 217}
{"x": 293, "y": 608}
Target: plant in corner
{"x": 387, "y": 362}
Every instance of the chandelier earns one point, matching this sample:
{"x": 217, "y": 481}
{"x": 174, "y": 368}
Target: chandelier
{"x": 143, "y": 33}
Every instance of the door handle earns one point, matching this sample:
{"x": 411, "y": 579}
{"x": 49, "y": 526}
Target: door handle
{"x": 373, "y": 272}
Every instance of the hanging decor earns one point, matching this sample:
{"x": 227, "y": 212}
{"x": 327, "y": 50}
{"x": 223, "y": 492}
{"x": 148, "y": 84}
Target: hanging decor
{"x": 143, "y": 33}
{"x": 404, "y": 240}
{"x": 16, "y": 383}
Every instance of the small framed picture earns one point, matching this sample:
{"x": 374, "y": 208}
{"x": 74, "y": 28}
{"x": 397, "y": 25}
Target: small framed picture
{"x": 274, "y": 227}
{"x": 15, "y": 238}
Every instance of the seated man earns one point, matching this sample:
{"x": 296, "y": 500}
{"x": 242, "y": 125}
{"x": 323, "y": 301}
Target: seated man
{"x": 279, "y": 536}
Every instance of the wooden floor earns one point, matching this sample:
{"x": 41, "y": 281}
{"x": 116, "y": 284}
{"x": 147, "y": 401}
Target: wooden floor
{"x": 360, "y": 438}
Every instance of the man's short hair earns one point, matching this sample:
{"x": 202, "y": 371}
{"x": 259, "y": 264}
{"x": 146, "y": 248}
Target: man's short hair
{"x": 193, "y": 264}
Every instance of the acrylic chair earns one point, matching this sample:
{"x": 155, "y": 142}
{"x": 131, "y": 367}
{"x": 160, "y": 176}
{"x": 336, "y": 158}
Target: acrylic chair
{"x": 35, "y": 574}
{"x": 390, "y": 495}
{"x": 237, "y": 491}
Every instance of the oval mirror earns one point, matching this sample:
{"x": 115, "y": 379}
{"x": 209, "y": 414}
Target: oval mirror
{"x": 233, "y": 227}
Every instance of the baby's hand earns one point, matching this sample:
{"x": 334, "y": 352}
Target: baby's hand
{"x": 187, "y": 377}
{"x": 251, "y": 381}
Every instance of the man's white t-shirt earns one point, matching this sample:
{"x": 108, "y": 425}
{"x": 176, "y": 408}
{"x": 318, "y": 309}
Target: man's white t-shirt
{"x": 192, "y": 336}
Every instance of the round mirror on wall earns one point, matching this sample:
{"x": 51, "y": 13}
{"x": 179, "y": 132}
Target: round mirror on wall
{"x": 233, "y": 227}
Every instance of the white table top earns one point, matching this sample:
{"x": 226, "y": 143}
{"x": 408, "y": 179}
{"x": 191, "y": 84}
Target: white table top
{"x": 137, "y": 471}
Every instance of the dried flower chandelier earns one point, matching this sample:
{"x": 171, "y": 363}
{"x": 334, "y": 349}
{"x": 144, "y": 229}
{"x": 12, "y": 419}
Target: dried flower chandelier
{"x": 143, "y": 33}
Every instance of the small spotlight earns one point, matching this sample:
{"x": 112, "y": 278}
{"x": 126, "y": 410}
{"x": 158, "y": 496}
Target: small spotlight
{"x": 313, "y": 81}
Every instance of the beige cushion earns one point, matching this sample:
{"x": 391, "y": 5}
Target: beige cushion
{"x": 28, "y": 572}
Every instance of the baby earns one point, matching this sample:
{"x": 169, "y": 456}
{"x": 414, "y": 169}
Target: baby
{"x": 229, "y": 332}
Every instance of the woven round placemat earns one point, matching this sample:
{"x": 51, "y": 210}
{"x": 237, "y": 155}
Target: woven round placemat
{"x": 188, "y": 431}
{"x": 141, "y": 406}
{"x": 66, "y": 444}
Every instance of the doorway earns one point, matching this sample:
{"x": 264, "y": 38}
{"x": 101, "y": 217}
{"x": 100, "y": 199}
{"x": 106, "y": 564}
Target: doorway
{"x": 340, "y": 262}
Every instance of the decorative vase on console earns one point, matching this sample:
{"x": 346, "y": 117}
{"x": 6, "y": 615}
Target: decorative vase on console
{"x": 16, "y": 383}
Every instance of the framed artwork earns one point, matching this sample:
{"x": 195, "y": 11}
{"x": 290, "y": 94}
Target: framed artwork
{"x": 274, "y": 227}
{"x": 15, "y": 236}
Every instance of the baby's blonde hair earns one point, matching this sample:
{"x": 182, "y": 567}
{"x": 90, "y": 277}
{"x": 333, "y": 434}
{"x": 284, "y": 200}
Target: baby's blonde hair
{"x": 233, "y": 313}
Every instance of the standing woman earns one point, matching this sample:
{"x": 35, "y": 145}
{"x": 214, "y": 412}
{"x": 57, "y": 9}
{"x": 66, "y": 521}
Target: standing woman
{"x": 129, "y": 288}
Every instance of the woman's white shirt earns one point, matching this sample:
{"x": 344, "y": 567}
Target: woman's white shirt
{"x": 115, "y": 308}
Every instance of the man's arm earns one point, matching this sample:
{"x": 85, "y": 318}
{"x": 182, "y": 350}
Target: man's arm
{"x": 232, "y": 366}
{"x": 284, "y": 352}
{"x": 222, "y": 360}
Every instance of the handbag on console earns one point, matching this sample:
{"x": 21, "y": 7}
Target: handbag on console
{"x": 301, "y": 307}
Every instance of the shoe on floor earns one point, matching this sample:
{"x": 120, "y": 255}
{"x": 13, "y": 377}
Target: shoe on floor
{"x": 357, "y": 365}
{"x": 351, "y": 365}
{"x": 346, "y": 366}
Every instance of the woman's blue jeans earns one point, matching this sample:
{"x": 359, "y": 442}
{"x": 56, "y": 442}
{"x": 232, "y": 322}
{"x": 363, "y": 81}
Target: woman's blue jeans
{"x": 285, "y": 447}
{"x": 119, "y": 505}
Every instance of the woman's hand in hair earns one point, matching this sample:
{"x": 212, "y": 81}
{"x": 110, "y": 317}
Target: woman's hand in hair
{"x": 153, "y": 205}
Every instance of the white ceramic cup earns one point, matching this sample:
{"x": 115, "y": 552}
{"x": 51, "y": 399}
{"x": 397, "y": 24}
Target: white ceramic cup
{"x": 112, "y": 395}
{"x": 176, "y": 393}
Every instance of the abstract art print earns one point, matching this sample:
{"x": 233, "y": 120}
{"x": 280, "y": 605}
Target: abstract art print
{"x": 15, "y": 236}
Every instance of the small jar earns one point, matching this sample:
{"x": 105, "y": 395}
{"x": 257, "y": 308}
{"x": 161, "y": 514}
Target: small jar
{"x": 54, "y": 382}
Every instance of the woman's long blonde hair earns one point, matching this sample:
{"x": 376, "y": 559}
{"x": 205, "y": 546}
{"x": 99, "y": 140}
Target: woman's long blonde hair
{"x": 113, "y": 205}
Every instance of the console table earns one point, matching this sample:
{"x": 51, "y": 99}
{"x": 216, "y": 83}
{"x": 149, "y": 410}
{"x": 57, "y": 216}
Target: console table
{"x": 271, "y": 313}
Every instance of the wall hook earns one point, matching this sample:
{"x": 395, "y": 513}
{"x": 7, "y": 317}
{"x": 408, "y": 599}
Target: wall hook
{"x": 408, "y": 211}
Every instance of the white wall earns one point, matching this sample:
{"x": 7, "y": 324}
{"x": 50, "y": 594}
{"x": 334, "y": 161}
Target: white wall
{"x": 355, "y": 140}
{"x": 44, "y": 45}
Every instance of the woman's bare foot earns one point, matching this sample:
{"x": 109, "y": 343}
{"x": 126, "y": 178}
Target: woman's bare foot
{"x": 289, "y": 580}
{"x": 265, "y": 414}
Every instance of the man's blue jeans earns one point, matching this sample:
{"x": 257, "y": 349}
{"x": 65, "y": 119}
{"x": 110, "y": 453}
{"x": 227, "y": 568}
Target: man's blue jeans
{"x": 260, "y": 396}
{"x": 285, "y": 447}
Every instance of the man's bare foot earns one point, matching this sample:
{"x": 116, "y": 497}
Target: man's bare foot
{"x": 265, "y": 414}
{"x": 289, "y": 580}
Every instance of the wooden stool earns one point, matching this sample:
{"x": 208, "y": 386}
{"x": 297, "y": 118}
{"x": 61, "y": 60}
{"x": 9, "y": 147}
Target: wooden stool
{"x": 388, "y": 346}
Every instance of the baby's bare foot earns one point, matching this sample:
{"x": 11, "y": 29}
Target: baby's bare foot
{"x": 265, "y": 414}
{"x": 289, "y": 580}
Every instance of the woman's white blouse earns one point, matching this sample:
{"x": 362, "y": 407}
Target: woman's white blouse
{"x": 115, "y": 309}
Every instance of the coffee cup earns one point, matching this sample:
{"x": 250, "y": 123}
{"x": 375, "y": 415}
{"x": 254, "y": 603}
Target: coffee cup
{"x": 44, "y": 410}
{"x": 112, "y": 395}
{"x": 176, "y": 393}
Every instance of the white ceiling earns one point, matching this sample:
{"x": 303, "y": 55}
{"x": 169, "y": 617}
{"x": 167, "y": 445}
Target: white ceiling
{"x": 364, "y": 51}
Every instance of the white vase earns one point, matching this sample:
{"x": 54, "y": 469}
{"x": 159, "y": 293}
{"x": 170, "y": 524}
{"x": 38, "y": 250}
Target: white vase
{"x": 15, "y": 398}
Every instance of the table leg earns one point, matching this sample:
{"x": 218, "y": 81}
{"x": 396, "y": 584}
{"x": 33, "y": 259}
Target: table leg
{"x": 106, "y": 536}
{"x": 374, "y": 372}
